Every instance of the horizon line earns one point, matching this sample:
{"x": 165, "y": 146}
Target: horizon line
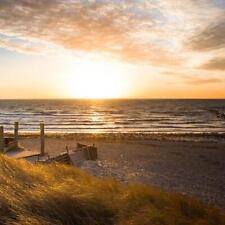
{"x": 104, "y": 99}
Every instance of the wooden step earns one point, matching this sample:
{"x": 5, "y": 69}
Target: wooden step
{"x": 64, "y": 158}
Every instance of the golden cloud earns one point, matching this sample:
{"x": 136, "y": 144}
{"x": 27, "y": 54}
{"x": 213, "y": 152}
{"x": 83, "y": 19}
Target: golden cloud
{"x": 215, "y": 64}
{"x": 144, "y": 31}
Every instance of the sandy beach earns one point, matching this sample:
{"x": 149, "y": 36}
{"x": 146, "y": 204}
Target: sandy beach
{"x": 194, "y": 168}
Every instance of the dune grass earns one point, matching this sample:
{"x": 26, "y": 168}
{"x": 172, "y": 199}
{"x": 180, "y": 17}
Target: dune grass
{"x": 58, "y": 194}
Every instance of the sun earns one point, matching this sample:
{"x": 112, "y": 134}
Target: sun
{"x": 96, "y": 80}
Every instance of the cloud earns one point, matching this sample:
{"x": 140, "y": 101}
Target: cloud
{"x": 149, "y": 32}
{"x": 191, "y": 79}
{"x": 91, "y": 26}
{"x": 215, "y": 64}
{"x": 24, "y": 46}
{"x": 202, "y": 81}
{"x": 137, "y": 31}
{"x": 211, "y": 38}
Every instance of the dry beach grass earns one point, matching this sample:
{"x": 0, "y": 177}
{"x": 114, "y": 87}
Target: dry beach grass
{"x": 57, "y": 194}
{"x": 192, "y": 167}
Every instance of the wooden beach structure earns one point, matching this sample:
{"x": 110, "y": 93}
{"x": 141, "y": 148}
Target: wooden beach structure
{"x": 10, "y": 147}
{"x": 75, "y": 156}
{"x": 9, "y": 143}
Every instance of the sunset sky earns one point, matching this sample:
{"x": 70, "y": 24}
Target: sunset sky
{"x": 112, "y": 49}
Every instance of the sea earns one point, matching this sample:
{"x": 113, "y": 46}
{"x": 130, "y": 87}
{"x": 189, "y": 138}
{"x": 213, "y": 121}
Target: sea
{"x": 115, "y": 116}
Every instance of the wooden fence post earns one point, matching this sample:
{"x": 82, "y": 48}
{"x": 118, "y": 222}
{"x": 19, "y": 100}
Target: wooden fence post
{"x": 42, "y": 133}
{"x": 2, "y": 144}
{"x": 16, "y": 129}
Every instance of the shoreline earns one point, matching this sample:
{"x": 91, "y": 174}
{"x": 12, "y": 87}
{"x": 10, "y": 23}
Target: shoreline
{"x": 170, "y": 136}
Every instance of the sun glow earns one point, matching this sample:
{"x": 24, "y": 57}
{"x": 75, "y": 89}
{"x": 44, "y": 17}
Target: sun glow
{"x": 94, "y": 80}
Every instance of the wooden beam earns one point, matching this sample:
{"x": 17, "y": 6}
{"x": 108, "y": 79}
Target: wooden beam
{"x": 2, "y": 143}
{"x": 42, "y": 134}
{"x": 16, "y": 130}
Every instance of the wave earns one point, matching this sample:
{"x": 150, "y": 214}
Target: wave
{"x": 121, "y": 115}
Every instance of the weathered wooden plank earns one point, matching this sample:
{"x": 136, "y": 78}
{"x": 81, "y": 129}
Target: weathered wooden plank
{"x": 2, "y": 141}
{"x": 42, "y": 136}
{"x": 16, "y": 130}
{"x": 63, "y": 158}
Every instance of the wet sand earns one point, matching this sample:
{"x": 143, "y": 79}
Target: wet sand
{"x": 194, "y": 168}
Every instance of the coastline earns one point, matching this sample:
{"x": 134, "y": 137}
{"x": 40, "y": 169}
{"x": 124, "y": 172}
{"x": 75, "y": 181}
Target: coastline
{"x": 190, "y": 164}
{"x": 117, "y": 136}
